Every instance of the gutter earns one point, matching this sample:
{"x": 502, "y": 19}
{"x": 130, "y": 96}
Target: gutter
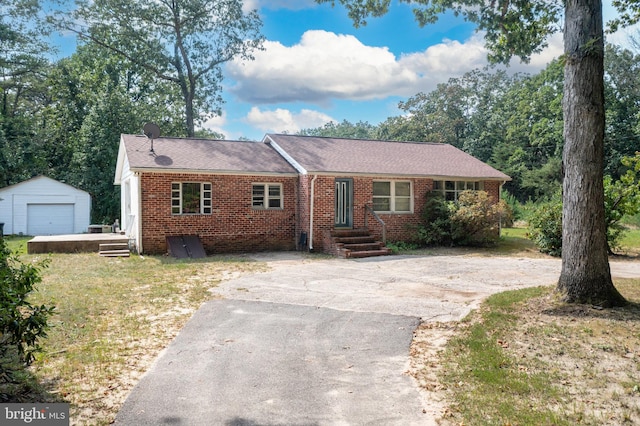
{"x": 139, "y": 215}
{"x": 313, "y": 186}
{"x": 500, "y": 198}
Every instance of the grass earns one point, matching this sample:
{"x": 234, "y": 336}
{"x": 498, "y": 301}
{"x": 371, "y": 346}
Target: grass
{"x": 513, "y": 361}
{"x": 489, "y": 386}
{"x": 630, "y": 241}
{"x": 525, "y": 358}
{"x": 17, "y": 244}
{"x": 113, "y": 317}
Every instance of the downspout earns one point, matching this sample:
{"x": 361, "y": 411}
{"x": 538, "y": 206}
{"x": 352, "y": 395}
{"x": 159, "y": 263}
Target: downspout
{"x": 500, "y": 198}
{"x": 313, "y": 186}
{"x": 139, "y": 215}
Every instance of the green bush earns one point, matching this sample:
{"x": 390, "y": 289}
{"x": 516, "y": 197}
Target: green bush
{"x": 398, "y": 246}
{"x": 621, "y": 199}
{"x": 545, "y": 227}
{"x": 475, "y": 221}
{"x": 435, "y": 228}
{"x": 515, "y": 207}
{"x": 21, "y": 323}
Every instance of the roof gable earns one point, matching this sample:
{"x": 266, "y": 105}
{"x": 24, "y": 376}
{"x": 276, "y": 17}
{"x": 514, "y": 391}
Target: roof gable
{"x": 40, "y": 182}
{"x": 202, "y": 155}
{"x": 357, "y": 156}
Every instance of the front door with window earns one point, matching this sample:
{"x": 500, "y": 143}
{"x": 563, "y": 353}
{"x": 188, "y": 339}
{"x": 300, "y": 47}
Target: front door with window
{"x": 344, "y": 203}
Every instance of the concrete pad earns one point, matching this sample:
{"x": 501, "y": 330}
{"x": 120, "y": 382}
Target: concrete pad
{"x": 72, "y": 243}
{"x": 434, "y": 288}
{"x": 253, "y": 363}
{"x": 319, "y": 341}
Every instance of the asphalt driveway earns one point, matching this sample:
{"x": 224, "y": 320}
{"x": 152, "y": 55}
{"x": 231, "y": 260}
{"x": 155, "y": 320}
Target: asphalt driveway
{"x": 320, "y": 341}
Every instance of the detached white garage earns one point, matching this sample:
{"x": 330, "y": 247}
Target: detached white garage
{"x": 44, "y": 206}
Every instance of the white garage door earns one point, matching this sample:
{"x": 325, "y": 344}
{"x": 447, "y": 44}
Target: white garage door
{"x": 49, "y": 219}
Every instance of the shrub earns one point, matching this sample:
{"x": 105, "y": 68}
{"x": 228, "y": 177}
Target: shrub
{"x": 398, "y": 246}
{"x": 476, "y": 219}
{"x": 21, "y": 323}
{"x": 545, "y": 227}
{"x": 515, "y": 207}
{"x": 436, "y": 223}
{"x": 473, "y": 220}
{"x": 621, "y": 198}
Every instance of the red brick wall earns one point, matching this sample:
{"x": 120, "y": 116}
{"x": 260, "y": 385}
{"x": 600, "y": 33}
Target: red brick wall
{"x": 399, "y": 226}
{"x": 233, "y": 226}
{"x": 493, "y": 189}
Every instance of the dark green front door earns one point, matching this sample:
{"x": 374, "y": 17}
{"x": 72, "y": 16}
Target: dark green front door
{"x": 344, "y": 203}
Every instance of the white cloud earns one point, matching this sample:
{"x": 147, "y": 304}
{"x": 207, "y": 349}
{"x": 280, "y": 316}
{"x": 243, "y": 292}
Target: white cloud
{"x": 216, "y": 123}
{"x": 324, "y": 66}
{"x": 539, "y": 61}
{"x": 282, "y": 120}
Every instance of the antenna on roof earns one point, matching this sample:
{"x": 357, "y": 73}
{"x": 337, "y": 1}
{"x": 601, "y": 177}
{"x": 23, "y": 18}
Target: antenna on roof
{"x": 152, "y": 131}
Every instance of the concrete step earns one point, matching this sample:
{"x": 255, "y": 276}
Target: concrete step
{"x": 363, "y": 239}
{"x": 359, "y": 232}
{"x": 367, "y": 253}
{"x": 114, "y": 246}
{"x": 115, "y": 253}
{"x": 377, "y": 245}
{"x": 356, "y": 243}
{"x": 114, "y": 250}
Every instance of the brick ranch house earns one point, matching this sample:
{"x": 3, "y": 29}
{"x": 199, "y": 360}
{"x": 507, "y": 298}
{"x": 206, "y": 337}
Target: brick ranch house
{"x": 287, "y": 192}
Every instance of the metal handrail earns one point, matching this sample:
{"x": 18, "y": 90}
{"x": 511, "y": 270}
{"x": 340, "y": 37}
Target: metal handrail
{"x": 368, "y": 208}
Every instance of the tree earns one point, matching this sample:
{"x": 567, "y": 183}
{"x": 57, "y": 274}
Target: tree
{"x": 346, "y": 129}
{"x": 622, "y": 95}
{"x": 22, "y": 65}
{"x": 97, "y": 95}
{"x": 530, "y": 146}
{"x": 22, "y": 324}
{"x": 519, "y": 28}
{"x": 183, "y": 42}
{"x": 621, "y": 198}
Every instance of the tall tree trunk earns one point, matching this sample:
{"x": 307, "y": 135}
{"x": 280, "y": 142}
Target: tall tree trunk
{"x": 585, "y": 276}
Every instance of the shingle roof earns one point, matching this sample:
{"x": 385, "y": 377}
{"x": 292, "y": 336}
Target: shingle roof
{"x": 357, "y": 156}
{"x": 180, "y": 154}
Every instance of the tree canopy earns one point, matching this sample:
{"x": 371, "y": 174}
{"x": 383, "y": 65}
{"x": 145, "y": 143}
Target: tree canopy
{"x": 181, "y": 42}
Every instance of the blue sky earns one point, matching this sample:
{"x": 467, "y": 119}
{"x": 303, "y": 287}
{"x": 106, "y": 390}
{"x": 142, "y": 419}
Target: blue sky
{"x": 316, "y": 67}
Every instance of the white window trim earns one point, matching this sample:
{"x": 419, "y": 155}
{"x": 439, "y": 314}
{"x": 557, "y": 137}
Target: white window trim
{"x": 392, "y": 197}
{"x": 204, "y": 209}
{"x": 478, "y": 186}
{"x": 265, "y": 203}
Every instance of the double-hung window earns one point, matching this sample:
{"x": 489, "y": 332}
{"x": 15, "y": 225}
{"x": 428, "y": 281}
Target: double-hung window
{"x": 452, "y": 188}
{"x": 191, "y": 198}
{"x": 266, "y": 196}
{"x": 392, "y": 196}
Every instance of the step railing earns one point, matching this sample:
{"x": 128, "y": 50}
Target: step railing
{"x": 369, "y": 209}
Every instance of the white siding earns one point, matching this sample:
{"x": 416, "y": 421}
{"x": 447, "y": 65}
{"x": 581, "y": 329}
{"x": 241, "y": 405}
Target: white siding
{"x": 129, "y": 202}
{"x": 41, "y": 190}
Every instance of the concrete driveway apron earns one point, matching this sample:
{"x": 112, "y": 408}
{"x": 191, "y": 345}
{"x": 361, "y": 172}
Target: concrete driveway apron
{"x": 317, "y": 342}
